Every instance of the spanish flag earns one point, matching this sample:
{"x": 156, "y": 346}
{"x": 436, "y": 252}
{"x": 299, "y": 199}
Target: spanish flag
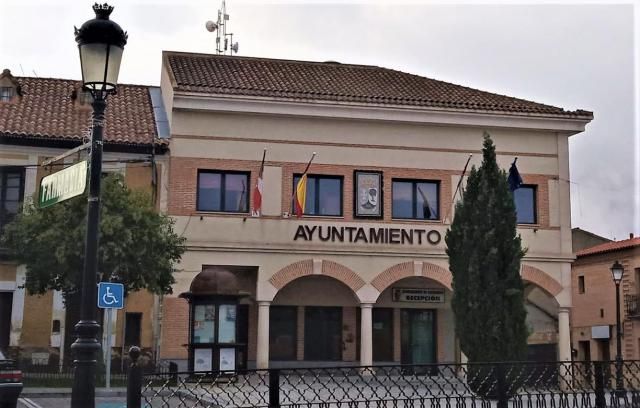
{"x": 301, "y": 195}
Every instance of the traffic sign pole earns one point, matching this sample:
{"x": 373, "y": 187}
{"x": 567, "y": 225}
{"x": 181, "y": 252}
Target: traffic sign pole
{"x": 110, "y": 296}
{"x": 108, "y": 349}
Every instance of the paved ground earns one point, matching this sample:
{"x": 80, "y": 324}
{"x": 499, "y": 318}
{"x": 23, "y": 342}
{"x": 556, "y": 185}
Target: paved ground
{"x": 66, "y": 402}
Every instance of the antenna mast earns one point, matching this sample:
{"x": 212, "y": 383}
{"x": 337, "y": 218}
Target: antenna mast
{"x": 224, "y": 40}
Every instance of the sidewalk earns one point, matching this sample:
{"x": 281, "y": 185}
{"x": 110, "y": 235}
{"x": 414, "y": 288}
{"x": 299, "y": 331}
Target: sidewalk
{"x": 37, "y": 392}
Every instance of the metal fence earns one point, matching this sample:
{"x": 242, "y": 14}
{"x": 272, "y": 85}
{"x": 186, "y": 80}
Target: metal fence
{"x": 501, "y": 385}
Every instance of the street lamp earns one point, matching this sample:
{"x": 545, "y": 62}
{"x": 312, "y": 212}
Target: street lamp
{"x": 617, "y": 272}
{"x": 101, "y": 42}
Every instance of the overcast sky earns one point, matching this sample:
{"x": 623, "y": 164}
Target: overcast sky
{"x": 568, "y": 55}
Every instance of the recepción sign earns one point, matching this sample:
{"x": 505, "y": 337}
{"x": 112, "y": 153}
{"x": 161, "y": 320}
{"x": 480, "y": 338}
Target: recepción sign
{"x": 418, "y": 295}
{"x": 63, "y": 185}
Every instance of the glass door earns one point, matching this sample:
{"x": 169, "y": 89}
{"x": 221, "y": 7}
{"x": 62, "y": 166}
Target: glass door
{"x": 323, "y": 333}
{"x": 418, "y": 342}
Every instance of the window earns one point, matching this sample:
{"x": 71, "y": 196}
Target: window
{"x": 11, "y": 192}
{"x": 525, "y": 200}
{"x": 6, "y": 93}
{"x": 324, "y": 195}
{"x": 204, "y": 320}
{"x": 415, "y": 199}
{"x": 132, "y": 328}
{"x": 580, "y": 284}
{"x": 223, "y": 191}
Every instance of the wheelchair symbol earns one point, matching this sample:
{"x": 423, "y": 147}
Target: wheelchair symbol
{"x": 108, "y": 298}
{"x": 110, "y": 295}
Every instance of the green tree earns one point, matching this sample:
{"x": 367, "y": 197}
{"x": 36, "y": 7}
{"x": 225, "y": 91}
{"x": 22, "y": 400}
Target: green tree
{"x": 484, "y": 258}
{"x": 137, "y": 244}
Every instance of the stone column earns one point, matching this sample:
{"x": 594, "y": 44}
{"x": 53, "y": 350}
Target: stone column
{"x": 262, "y": 354}
{"x": 366, "y": 334}
{"x": 564, "y": 338}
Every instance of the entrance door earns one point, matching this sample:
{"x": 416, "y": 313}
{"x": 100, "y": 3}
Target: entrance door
{"x": 323, "y": 333}
{"x": 418, "y": 338}
{"x": 382, "y": 334}
{"x": 6, "y": 301}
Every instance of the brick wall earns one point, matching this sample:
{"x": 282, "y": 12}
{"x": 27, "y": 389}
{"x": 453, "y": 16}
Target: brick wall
{"x": 7, "y": 272}
{"x": 175, "y": 328}
{"x": 36, "y": 325}
{"x": 597, "y": 307}
{"x": 137, "y": 302}
{"x": 184, "y": 176}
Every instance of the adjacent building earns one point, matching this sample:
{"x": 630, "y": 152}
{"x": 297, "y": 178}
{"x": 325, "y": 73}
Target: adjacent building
{"x": 41, "y": 118}
{"x": 362, "y": 277}
{"x": 593, "y": 321}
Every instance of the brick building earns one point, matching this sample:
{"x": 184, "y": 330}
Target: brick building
{"x": 41, "y": 118}
{"x": 363, "y": 276}
{"x": 593, "y": 320}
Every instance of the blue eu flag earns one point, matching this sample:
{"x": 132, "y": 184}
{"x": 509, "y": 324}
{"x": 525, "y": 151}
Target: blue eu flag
{"x": 514, "y": 180}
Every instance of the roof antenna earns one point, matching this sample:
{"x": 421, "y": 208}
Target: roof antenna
{"x": 224, "y": 40}
{"x": 34, "y": 73}
{"x": 21, "y": 69}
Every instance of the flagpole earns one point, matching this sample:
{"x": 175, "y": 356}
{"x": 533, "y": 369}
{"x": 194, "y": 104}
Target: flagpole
{"x": 309, "y": 164}
{"x": 264, "y": 155}
{"x": 256, "y": 208}
{"x": 464, "y": 171}
{"x": 453, "y": 200}
{"x": 293, "y": 193}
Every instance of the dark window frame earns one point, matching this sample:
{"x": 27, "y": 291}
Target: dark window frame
{"x": 4, "y": 171}
{"x": 317, "y": 178}
{"x": 581, "y": 284}
{"x": 8, "y": 96}
{"x": 533, "y": 187}
{"x": 414, "y": 196}
{"x": 223, "y": 174}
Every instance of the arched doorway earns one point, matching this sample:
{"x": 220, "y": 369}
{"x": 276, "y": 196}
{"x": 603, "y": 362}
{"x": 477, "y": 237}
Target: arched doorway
{"x": 313, "y": 319}
{"x": 413, "y": 323}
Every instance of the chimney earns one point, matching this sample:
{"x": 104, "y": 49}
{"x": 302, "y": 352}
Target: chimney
{"x": 631, "y": 235}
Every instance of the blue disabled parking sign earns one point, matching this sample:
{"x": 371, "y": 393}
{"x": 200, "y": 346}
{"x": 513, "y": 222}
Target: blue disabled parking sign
{"x": 110, "y": 295}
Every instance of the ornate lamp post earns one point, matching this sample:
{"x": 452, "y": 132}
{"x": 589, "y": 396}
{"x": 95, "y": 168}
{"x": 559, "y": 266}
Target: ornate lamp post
{"x": 101, "y": 43}
{"x": 617, "y": 271}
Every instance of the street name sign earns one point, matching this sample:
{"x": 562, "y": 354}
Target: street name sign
{"x": 63, "y": 185}
{"x": 110, "y": 295}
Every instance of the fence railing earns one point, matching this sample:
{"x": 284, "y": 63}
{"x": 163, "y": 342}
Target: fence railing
{"x": 55, "y": 376}
{"x": 501, "y": 385}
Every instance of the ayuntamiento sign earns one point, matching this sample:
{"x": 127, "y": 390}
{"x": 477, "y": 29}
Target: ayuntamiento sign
{"x": 63, "y": 185}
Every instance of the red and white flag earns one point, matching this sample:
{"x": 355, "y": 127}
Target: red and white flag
{"x": 256, "y": 211}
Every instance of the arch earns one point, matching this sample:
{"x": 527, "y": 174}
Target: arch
{"x": 343, "y": 274}
{"x": 541, "y": 279}
{"x": 306, "y": 267}
{"x": 291, "y": 272}
{"x": 407, "y": 269}
{"x": 438, "y": 274}
{"x": 391, "y": 275}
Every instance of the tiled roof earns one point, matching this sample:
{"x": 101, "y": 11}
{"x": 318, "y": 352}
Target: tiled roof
{"x": 331, "y": 81}
{"x": 47, "y": 111}
{"x": 610, "y": 247}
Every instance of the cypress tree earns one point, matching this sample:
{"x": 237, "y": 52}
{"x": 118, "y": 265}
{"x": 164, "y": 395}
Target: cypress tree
{"x": 484, "y": 258}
